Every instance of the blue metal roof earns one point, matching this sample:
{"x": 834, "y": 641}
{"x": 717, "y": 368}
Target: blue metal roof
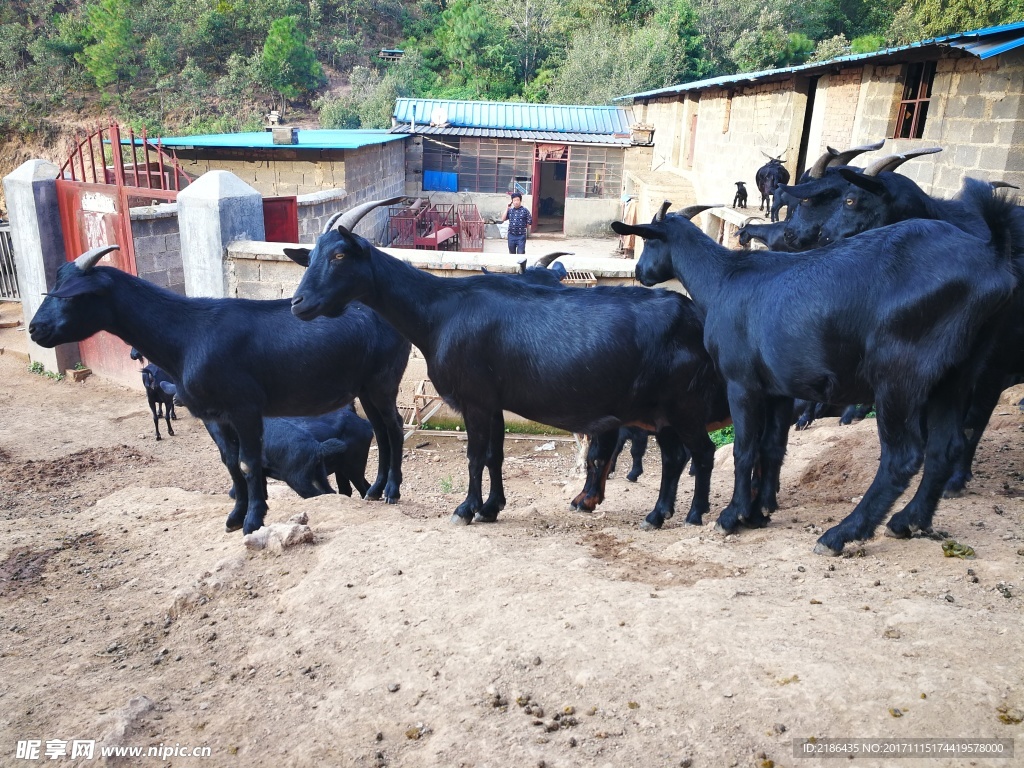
{"x": 983, "y": 43}
{"x": 308, "y": 139}
{"x": 512, "y": 116}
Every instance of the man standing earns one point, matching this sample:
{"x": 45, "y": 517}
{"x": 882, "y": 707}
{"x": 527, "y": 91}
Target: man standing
{"x": 519, "y": 221}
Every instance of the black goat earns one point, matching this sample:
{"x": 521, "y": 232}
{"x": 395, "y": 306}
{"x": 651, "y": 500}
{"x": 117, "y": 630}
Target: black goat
{"x": 160, "y": 401}
{"x": 874, "y": 200}
{"x": 822, "y": 188}
{"x": 739, "y": 200}
{"x": 772, "y": 235}
{"x": 584, "y": 361}
{"x": 768, "y": 178}
{"x": 303, "y": 451}
{"x": 818, "y": 328}
{"x": 235, "y": 361}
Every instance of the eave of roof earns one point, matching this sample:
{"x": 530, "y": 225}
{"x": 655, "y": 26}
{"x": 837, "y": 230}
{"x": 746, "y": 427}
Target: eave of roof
{"x": 498, "y": 133}
{"x": 514, "y": 116}
{"x": 307, "y": 139}
{"x": 982, "y": 43}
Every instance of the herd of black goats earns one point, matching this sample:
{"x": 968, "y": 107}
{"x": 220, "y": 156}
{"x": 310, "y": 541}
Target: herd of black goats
{"x": 872, "y": 292}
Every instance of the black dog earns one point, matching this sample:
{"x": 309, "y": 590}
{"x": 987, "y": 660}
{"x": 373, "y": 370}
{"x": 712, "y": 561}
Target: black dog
{"x": 740, "y": 201}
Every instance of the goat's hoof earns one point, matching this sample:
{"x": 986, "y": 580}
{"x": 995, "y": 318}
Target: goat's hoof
{"x": 232, "y": 527}
{"x": 647, "y": 525}
{"x": 719, "y": 528}
{"x": 485, "y": 517}
{"x": 755, "y": 521}
{"x": 457, "y": 519}
{"x": 633, "y": 478}
{"x": 826, "y": 551}
{"x": 893, "y": 533}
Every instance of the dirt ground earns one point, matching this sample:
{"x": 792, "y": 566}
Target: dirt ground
{"x": 552, "y": 638}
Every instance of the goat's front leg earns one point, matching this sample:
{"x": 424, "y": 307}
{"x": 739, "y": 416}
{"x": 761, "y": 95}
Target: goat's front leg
{"x": 477, "y": 434}
{"x": 156, "y": 418}
{"x": 748, "y": 418}
{"x": 226, "y": 441}
{"x": 599, "y": 452}
{"x": 387, "y": 429}
{"x": 249, "y": 427}
{"x": 495, "y": 458}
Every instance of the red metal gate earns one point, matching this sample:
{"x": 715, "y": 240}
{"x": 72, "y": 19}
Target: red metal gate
{"x": 281, "y": 219}
{"x": 98, "y": 185}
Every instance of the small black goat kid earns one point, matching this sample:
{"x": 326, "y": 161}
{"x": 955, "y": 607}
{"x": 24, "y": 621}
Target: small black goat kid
{"x": 818, "y": 328}
{"x": 628, "y": 357}
{"x": 739, "y": 200}
{"x": 768, "y": 178}
{"x": 235, "y": 361}
{"x": 161, "y": 402}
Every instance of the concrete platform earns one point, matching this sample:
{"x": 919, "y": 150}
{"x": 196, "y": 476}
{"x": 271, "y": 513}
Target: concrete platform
{"x": 13, "y": 333}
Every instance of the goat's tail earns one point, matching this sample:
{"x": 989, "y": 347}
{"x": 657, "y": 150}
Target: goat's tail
{"x": 1002, "y": 214}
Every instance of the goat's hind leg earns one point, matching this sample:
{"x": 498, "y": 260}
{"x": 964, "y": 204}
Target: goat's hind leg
{"x": 599, "y": 453}
{"x": 495, "y": 458}
{"x": 249, "y": 427}
{"x": 673, "y": 458}
{"x": 944, "y": 448}
{"x": 902, "y": 454}
{"x": 772, "y": 452}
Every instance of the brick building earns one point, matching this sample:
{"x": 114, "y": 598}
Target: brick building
{"x": 961, "y": 92}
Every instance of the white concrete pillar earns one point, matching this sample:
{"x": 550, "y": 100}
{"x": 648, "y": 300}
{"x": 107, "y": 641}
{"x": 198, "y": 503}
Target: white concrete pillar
{"x": 38, "y": 243}
{"x": 214, "y": 210}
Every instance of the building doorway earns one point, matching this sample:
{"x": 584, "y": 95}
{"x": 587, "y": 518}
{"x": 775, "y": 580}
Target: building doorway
{"x": 550, "y": 180}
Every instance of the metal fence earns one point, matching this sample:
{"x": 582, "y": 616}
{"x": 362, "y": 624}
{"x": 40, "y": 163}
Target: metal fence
{"x": 8, "y": 270}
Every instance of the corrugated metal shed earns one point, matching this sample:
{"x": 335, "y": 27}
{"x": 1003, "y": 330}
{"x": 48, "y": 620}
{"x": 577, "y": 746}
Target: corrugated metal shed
{"x": 534, "y": 122}
{"x": 983, "y": 43}
{"x": 308, "y": 139}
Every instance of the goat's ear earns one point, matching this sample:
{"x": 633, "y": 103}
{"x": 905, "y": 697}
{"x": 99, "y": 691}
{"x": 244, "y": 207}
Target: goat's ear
{"x": 299, "y": 255}
{"x": 646, "y": 231}
{"x": 867, "y": 183}
{"x": 168, "y": 388}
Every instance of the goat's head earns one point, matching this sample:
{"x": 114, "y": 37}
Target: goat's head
{"x": 811, "y": 204}
{"x": 338, "y": 267}
{"x": 76, "y": 307}
{"x": 664, "y": 231}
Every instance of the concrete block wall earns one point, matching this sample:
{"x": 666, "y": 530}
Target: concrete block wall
{"x": 284, "y": 174}
{"x": 841, "y": 93}
{"x": 158, "y": 246}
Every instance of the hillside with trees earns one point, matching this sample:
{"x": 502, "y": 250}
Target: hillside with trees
{"x": 197, "y": 66}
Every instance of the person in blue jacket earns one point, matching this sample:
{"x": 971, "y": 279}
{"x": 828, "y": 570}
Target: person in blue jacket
{"x": 519, "y": 221}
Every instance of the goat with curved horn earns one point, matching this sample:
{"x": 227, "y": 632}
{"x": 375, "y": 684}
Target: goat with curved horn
{"x": 88, "y": 260}
{"x": 892, "y": 162}
{"x": 545, "y": 260}
{"x": 692, "y": 210}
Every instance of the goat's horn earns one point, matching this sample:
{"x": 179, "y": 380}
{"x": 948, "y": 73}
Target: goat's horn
{"x": 660, "y": 216}
{"x": 892, "y": 162}
{"x": 88, "y": 260}
{"x": 1002, "y": 185}
{"x": 818, "y": 169}
{"x": 692, "y": 210}
{"x": 844, "y": 157}
{"x": 545, "y": 260}
{"x": 748, "y": 220}
{"x": 351, "y": 217}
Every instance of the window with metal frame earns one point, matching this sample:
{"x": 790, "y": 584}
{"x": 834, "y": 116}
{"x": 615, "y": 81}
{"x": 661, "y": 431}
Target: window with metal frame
{"x": 595, "y": 172}
{"x": 482, "y": 164}
{"x": 917, "y": 92}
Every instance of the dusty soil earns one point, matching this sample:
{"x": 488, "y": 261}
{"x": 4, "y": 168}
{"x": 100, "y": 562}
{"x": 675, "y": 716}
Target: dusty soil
{"x": 129, "y": 617}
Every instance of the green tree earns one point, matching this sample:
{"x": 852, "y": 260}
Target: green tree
{"x": 943, "y": 17}
{"x": 831, "y": 48}
{"x": 111, "y": 57}
{"x": 763, "y": 46}
{"x": 290, "y": 65}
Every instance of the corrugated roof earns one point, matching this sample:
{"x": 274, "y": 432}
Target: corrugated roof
{"x": 308, "y": 139}
{"x": 558, "y": 119}
{"x": 983, "y": 43}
